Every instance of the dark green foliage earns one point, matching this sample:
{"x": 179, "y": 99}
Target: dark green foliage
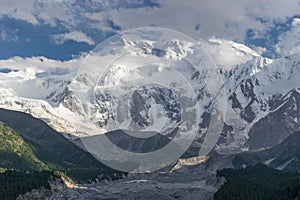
{"x": 17, "y": 153}
{"x": 26, "y": 164}
{"x": 51, "y": 146}
{"x": 82, "y": 175}
{"x": 14, "y": 183}
{"x": 39, "y": 147}
{"x": 258, "y": 182}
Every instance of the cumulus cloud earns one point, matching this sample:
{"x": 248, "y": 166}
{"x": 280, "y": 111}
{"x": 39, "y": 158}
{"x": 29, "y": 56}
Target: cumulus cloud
{"x": 19, "y": 9}
{"x": 228, "y": 19}
{"x": 289, "y": 42}
{"x": 76, "y": 36}
{"x": 40, "y": 64}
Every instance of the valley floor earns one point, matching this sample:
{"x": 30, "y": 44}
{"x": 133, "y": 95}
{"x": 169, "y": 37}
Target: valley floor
{"x": 194, "y": 185}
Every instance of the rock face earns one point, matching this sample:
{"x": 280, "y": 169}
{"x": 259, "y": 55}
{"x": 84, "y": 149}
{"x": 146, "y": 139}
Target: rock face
{"x": 142, "y": 99}
{"x": 278, "y": 125}
{"x": 192, "y": 161}
{"x": 263, "y": 103}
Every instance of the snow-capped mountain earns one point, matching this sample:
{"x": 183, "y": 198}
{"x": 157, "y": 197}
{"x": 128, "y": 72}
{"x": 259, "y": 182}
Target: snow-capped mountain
{"x": 79, "y": 104}
{"x": 257, "y": 90}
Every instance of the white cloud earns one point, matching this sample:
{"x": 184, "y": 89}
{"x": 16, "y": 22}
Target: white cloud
{"x": 289, "y": 42}
{"x": 40, "y": 64}
{"x": 19, "y": 9}
{"x": 228, "y": 54}
{"x": 228, "y": 19}
{"x": 260, "y": 50}
{"x": 76, "y": 36}
{"x": 296, "y": 22}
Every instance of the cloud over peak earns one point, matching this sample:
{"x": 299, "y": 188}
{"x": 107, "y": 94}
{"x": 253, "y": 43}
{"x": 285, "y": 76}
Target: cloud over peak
{"x": 76, "y": 36}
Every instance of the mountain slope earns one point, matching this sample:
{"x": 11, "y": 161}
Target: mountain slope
{"x": 40, "y": 133}
{"x": 263, "y": 101}
{"x": 21, "y": 166}
{"x": 47, "y": 149}
{"x": 16, "y": 153}
{"x": 284, "y": 156}
{"x": 278, "y": 125}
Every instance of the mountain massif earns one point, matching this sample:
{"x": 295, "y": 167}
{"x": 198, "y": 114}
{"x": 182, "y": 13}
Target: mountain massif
{"x": 261, "y": 119}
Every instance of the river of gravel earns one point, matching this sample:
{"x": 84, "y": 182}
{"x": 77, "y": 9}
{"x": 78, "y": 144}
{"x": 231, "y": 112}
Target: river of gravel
{"x": 159, "y": 186}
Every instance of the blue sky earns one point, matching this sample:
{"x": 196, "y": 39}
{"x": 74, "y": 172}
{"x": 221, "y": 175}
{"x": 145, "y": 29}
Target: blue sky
{"x": 61, "y": 29}
{"x": 25, "y": 39}
{"x": 270, "y": 38}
